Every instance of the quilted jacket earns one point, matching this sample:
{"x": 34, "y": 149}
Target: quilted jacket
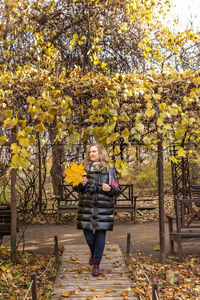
{"x": 96, "y": 207}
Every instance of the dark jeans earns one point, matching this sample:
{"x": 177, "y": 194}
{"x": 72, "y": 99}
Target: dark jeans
{"x": 96, "y": 242}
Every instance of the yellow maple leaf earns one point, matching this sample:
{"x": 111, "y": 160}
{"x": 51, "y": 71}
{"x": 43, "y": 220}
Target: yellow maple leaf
{"x": 173, "y": 159}
{"x": 74, "y": 174}
{"x": 3, "y": 140}
{"x": 3, "y": 268}
{"x": 181, "y": 152}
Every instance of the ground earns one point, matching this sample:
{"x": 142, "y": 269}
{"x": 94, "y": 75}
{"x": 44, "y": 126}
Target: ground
{"x": 175, "y": 281}
{"x": 39, "y": 238}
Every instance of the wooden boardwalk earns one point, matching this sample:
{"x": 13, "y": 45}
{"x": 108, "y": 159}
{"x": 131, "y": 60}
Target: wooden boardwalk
{"x": 75, "y": 281}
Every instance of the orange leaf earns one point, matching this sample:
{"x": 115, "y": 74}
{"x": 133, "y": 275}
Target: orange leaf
{"x": 93, "y": 289}
{"x": 114, "y": 250}
{"x": 65, "y": 295}
{"x": 138, "y": 291}
{"x": 125, "y": 293}
{"x": 101, "y": 295}
{"x": 118, "y": 283}
{"x": 108, "y": 290}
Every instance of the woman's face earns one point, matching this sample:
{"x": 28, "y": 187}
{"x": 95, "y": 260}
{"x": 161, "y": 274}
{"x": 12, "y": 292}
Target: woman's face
{"x": 94, "y": 154}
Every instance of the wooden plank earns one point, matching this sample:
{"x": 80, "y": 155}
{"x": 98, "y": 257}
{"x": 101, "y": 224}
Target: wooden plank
{"x": 74, "y": 277}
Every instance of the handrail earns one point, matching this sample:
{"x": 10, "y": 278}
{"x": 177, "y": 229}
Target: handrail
{"x": 28, "y": 290}
{"x": 34, "y": 277}
{"x": 153, "y": 284}
{"x": 45, "y": 269}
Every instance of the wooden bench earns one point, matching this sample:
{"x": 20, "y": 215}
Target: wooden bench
{"x": 149, "y": 200}
{"x": 5, "y": 221}
{"x": 126, "y": 201}
{"x": 67, "y": 201}
{"x": 185, "y": 226}
{"x": 195, "y": 193}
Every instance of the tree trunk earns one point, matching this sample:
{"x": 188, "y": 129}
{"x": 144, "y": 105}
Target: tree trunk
{"x": 39, "y": 174}
{"x": 57, "y": 162}
{"x": 161, "y": 201}
{"x": 13, "y": 207}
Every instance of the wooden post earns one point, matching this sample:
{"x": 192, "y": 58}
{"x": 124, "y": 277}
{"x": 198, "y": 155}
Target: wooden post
{"x": 161, "y": 201}
{"x": 39, "y": 174}
{"x": 34, "y": 286}
{"x": 154, "y": 291}
{"x": 128, "y": 246}
{"x": 13, "y": 174}
{"x": 56, "y": 249}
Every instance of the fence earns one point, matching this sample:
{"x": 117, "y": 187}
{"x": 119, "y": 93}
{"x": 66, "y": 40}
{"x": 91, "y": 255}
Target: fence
{"x": 34, "y": 277}
{"x": 153, "y": 284}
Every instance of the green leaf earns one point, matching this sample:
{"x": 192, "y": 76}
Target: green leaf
{"x": 156, "y": 248}
{"x": 146, "y": 140}
{"x": 73, "y": 139}
{"x": 160, "y": 122}
{"x": 125, "y": 133}
{"x": 139, "y": 127}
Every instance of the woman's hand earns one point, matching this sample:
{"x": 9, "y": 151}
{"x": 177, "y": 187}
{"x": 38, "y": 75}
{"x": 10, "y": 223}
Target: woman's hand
{"x": 85, "y": 180}
{"x": 106, "y": 187}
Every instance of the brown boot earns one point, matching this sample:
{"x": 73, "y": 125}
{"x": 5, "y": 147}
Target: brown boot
{"x": 96, "y": 270}
{"x": 91, "y": 260}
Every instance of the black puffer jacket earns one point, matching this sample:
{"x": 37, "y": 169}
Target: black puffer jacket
{"x": 96, "y": 207}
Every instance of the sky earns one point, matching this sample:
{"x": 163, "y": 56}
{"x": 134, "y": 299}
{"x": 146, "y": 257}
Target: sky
{"x": 186, "y": 11}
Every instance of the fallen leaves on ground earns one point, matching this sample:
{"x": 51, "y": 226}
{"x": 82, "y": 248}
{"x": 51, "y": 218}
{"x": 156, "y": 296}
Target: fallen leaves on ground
{"x": 15, "y": 279}
{"x": 175, "y": 280}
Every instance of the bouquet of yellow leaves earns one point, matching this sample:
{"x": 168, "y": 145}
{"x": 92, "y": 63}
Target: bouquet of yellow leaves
{"x": 74, "y": 174}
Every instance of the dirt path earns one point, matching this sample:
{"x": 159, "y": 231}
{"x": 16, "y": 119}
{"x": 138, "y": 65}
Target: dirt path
{"x": 144, "y": 237}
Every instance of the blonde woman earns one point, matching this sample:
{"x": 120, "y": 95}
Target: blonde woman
{"x": 96, "y": 206}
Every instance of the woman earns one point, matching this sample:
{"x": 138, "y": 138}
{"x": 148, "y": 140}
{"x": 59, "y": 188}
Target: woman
{"x": 96, "y": 206}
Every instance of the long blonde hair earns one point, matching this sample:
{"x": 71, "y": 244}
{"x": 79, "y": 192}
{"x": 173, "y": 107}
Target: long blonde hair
{"x": 103, "y": 157}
